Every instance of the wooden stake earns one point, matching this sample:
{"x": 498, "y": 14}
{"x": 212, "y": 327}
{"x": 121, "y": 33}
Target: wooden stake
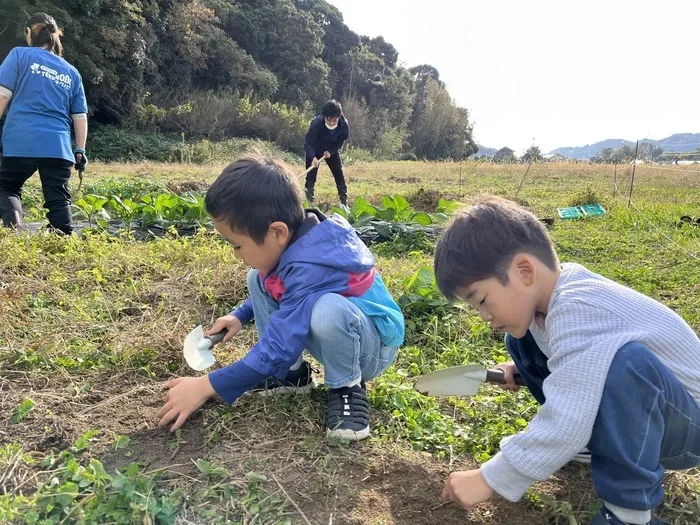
{"x": 523, "y": 179}
{"x": 634, "y": 168}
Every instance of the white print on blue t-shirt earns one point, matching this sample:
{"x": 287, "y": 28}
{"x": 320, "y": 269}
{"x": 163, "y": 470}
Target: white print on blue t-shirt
{"x": 60, "y": 79}
{"x": 46, "y": 90}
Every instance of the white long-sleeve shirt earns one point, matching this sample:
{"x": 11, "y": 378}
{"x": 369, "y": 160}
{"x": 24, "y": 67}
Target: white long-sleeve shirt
{"x": 589, "y": 319}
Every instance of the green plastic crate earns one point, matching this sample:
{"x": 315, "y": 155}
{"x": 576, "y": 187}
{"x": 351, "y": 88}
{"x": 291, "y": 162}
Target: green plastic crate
{"x": 580, "y": 212}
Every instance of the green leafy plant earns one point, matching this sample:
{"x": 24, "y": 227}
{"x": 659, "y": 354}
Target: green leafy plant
{"x": 446, "y": 208}
{"x": 83, "y": 492}
{"x": 121, "y": 442}
{"x": 22, "y": 411}
{"x": 415, "y": 417}
{"x": 393, "y": 208}
{"x": 83, "y": 441}
{"x": 125, "y": 209}
{"x": 421, "y": 293}
{"x": 162, "y": 209}
{"x": 91, "y": 207}
{"x": 406, "y": 244}
{"x": 211, "y": 470}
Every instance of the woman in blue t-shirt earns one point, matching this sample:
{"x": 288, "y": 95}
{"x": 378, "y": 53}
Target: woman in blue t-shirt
{"x": 46, "y": 94}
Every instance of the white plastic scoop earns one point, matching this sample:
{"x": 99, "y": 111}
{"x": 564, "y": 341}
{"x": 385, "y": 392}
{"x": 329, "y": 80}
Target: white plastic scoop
{"x": 198, "y": 347}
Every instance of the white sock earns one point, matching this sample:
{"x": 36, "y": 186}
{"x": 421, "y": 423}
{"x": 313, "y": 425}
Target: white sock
{"x": 354, "y": 382}
{"x": 296, "y": 365}
{"x": 636, "y": 517}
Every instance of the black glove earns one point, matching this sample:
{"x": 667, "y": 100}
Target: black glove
{"x": 81, "y": 160}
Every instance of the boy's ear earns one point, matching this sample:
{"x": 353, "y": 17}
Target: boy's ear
{"x": 280, "y": 232}
{"x": 525, "y": 268}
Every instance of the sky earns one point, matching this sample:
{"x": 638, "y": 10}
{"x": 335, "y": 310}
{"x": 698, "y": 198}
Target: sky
{"x": 552, "y": 73}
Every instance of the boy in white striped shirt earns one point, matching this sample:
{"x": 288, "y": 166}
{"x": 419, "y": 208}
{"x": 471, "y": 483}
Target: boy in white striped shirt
{"x": 613, "y": 370}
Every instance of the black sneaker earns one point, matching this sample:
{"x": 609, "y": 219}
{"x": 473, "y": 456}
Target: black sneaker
{"x": 299, "y": 380}
{"x": 605, "y": 517}
{"x": 348, "y": 413}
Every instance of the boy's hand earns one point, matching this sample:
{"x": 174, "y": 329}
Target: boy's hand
{"x": 315, "y": 162}
{"x": 185, "y": 395}
{"x": 467, "y": 489}
{"x": 510, "y": 370}
{"x": 326, "y": 155}
{"x": 230, "y": 323}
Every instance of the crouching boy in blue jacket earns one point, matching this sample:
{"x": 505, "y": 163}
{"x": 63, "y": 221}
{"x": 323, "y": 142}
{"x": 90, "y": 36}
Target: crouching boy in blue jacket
{"x": 313, "y": 286}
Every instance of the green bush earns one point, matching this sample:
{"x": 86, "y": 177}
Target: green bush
{"x": 408, "y": 157}
{"x": 389, "y": 144}
{"x": 583, "y": 197}
{"x": 354, "y": 155}
{"x": 220, "y": 116}
{"x": 117, "y": 144}
{"x": 204, "y": 151}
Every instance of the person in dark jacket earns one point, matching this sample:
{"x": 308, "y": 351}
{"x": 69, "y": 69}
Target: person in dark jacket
{"x": 325, "y": 137}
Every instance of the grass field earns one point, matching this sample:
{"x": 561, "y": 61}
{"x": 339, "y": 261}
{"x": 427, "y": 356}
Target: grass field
{"x": 92, "y": 326}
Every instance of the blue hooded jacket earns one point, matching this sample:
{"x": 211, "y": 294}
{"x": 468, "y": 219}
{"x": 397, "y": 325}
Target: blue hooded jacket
{"x": 325, "y": 256}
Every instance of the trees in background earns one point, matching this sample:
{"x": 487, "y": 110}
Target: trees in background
{"x": 260, "y": 68}
{"x": 648, "y": 151}
{"x": 533, "y": 154}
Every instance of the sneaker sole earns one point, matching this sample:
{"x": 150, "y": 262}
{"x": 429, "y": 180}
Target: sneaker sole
{"x": 283, "y": 390}
{"x": 350, "y": 435}
{"x": 582, "y": 458}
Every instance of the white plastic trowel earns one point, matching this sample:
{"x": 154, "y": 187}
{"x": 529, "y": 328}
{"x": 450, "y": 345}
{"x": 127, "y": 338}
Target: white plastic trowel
{"x": 460, "y": 380}
{"x": 198, "y": 347}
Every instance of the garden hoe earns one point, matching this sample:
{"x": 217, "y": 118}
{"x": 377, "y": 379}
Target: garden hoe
{"x": 80, "y": 184}
{"x": 198, "y": 348}
{"x": 460, "y": 380}
{"x": 303, "y": 174}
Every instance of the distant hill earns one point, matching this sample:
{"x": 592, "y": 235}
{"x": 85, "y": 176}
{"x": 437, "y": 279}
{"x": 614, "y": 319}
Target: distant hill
{"x": 678, "y": 143}
{"x": 487, "y": 152}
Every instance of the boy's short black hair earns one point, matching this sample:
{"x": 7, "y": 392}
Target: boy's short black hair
{"x": 332, "y": 109}
{"x": 481, "y": 241}
{"x": 252, "y": 193}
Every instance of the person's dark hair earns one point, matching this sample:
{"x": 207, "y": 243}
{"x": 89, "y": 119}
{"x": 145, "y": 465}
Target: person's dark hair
{"x": 252, "y": 193}
{"x": 43, "y": 31}
{"x": 481, "y": 241}
{"x": 332, "y": 109}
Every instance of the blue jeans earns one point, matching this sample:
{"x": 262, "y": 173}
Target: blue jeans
{"x": 342, "y": 338}
{"x": 647, "y": 422}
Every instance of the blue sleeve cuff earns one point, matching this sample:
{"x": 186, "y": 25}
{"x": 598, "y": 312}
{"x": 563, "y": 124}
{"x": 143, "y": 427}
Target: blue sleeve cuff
{"x": 244, "y": 313}
{"x": 233, "y": 381}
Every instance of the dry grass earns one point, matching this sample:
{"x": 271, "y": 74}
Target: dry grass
{"x": 91, "y": 327}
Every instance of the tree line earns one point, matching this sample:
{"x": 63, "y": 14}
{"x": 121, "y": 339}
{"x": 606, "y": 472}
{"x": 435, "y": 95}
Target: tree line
{"x": 216, "y": 69}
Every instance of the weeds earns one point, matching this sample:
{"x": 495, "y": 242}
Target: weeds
{"x": 89, "y": 319}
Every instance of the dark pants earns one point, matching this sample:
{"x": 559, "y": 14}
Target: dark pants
{"x": 336, "y": 165}
{"x": 647, "y": 422}
{"x": 54, "y": 174}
